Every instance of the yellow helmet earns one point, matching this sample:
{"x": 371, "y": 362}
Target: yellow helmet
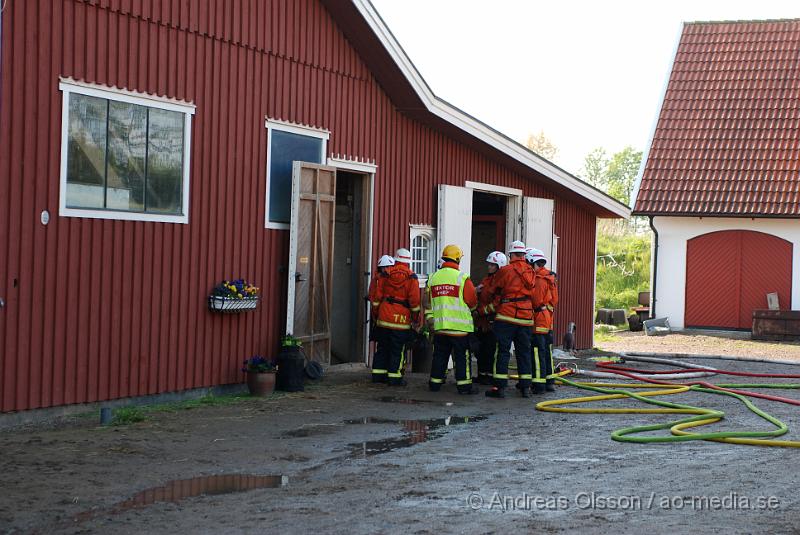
{"x": 452, "y": 252}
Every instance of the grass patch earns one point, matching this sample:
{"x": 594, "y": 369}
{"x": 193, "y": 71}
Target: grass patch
{"x": 209, "y": 400}
{"x": 132, "y": 415}
{"x": 623, "y": 269}
{"x": 128, "y": 415}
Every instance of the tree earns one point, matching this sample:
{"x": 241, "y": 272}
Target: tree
{"x": 594, "y": 168}
{"x": 615, "y": 175}
{"x": 541, "y": 145}
{"x": 621, "y": 173}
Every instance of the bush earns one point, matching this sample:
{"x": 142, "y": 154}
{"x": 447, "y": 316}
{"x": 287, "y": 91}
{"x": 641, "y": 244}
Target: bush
{"x": 623, "y": 269}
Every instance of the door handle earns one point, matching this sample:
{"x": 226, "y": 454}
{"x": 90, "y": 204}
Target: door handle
{"x": 298, "y": 277}
{"x": 2, "y": 303}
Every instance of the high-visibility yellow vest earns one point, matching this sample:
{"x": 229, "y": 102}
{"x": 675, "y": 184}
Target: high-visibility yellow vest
{"x": 450, "y": 312}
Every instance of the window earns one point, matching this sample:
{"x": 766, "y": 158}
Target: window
{"x": 124, "y": 155}
{"x": 288, "y": 143}
{"x": 423, "y": 251}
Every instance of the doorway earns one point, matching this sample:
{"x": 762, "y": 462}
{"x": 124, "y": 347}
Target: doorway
{"x": 489, "y": 214}
{"x": 350, "y": 265}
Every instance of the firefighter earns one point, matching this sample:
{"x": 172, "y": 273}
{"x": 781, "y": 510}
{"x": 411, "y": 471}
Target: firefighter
{"x": 397, "y": 311}
{"x": 483, "y": 322}
{"x": 512, "y": 288}
{"x": 376, "y": 334}
{"x": 453, "y": 300}
{"x": 543, "y": 304}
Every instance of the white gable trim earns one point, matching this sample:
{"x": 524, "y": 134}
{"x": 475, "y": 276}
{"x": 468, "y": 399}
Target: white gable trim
{"x": 472, "y": 126}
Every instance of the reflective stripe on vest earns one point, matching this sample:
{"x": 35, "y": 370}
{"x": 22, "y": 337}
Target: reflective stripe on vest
{"x": 450, "y": 312}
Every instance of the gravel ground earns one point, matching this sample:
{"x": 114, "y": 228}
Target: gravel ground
{"x": 362, "y": 458}
{"x": 701, "y": 343}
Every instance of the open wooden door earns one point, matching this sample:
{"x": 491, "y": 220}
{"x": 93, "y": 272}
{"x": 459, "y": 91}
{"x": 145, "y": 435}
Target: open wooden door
{"x": 311, "y": 239}
{"x": 538, "y": 224}
{"x": 455, "y": 221}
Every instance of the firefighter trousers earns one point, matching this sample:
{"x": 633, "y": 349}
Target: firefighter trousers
{"x": 396, "y": 349}
{"x": 380, "y": 360}
{"x": 443, "y": 347}
{"x": 520, "y": 336}
{"x": 388, "y": 362}
{"x": 542, "y": 359}
{"x": 551, "y": 377}
{"x": 487, "y": 348}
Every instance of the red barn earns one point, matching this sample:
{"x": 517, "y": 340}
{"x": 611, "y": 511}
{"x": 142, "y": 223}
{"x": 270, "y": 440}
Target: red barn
{"x": 150, "y": 149}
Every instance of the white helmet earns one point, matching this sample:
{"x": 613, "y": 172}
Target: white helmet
{"x": 534, "y": 255}
{"x": 403, "y": 255}
{"x": 496, "y": 257}
{"x": 385, "y": 261}
{"x": 516, "y": 247}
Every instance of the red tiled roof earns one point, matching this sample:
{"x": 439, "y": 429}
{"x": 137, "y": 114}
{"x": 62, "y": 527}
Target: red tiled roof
{"x": 727, "y": 141}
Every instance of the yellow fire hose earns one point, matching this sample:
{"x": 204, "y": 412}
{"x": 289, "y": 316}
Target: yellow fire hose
{"x": 678, "y": 428}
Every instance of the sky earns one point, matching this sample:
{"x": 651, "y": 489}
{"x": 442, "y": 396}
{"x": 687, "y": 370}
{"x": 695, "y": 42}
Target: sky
{"x": 587, "y": 74}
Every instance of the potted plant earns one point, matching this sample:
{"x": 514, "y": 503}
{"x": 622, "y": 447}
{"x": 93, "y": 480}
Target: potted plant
{"x": 260, "y": 374}
{"x": 233, "y": 296}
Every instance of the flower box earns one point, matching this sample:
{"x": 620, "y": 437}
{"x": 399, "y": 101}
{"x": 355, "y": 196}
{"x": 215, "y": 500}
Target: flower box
{"x": 231, "y": 305}
{"x": 233, "y": 296}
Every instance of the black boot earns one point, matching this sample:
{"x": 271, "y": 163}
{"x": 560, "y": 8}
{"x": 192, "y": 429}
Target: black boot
{"x": 495, "y": 392}
{"x": 550, "y": 385}
{"x": 379, "y": 378}
{"x": 397, "y": 382}
{"x": 434, "y": 387}
{"x": 538, "y": 389}
{"x": 468, "y": 390}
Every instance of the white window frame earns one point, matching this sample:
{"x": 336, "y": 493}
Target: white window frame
{"x": 69, "y": 86}
{"x": 430, "y": 233}
{"x": 292, "y": 128}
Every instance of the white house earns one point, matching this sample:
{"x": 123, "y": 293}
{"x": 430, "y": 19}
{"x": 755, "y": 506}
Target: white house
{"x": 720, "y": 180}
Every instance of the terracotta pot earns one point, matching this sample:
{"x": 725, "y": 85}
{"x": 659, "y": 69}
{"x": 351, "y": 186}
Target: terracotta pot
{"x": 261, "y": 384}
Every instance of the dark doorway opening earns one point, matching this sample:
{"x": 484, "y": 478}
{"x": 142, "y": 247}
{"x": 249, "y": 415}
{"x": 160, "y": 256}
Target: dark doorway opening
{"x": 488, "y": 230}
{"x": 349, "y": 253}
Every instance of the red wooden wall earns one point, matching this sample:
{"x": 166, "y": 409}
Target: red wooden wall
{"x": 100, "y": 309}
{"x": 729, "y": 274}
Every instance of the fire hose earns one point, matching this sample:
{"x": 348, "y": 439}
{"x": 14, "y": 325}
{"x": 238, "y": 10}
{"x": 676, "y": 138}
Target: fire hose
{"x": 657, "y": 382}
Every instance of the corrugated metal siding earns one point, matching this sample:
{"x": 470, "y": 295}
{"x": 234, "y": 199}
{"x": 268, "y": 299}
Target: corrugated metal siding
{"x": 576, "y": 230}
{"x": 726, "y": 278}
{"x": 100, "y": 309}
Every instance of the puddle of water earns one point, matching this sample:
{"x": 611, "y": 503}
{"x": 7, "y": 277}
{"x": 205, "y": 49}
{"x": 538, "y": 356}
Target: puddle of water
{"x": 180, "y": 489}
{"x": 416, "y": 432}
